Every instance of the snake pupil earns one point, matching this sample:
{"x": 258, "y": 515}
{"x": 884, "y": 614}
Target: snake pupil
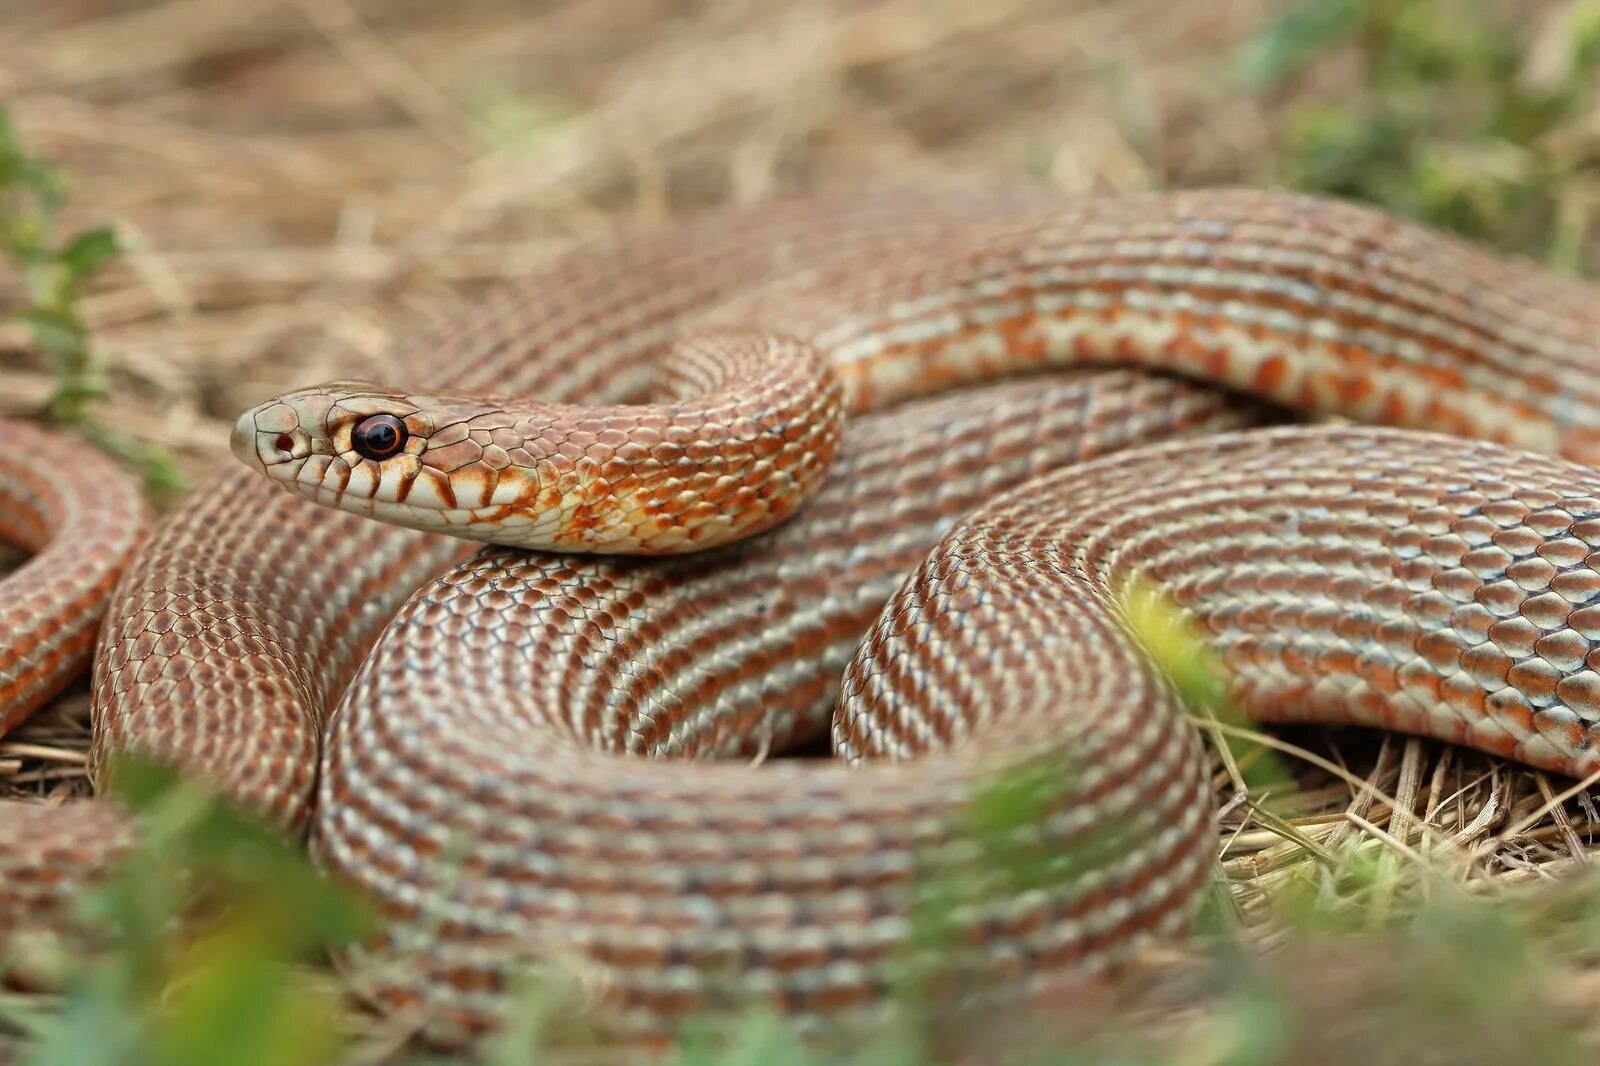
{"x": 378, "y": 436}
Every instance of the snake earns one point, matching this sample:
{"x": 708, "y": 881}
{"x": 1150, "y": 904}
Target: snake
{"x": 873, "y": 472}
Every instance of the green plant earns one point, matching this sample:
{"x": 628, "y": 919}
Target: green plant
{"x": 31, "y": 193}
{"x": 1463, "y": 117}
{"x": 204, "y": 925}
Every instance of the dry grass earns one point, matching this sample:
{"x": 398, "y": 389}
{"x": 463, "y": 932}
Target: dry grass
{"x": 305, "y": 179}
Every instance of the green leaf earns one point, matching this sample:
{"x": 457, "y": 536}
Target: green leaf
{"x": 92, "y": 1030}
{"x": 162, "y": 478}
{"x": 1294, "y": 40}
{"x": 513, "y": 123}
{"x": 1583, "y": 40}
{"x": 232, "y": 1000}
{"x": 1429, "y": 44}
{"x": 1336, "y": 150}
{"x": 206, "y": 922}
{"x": 54, "y": 329}
{"x": 21, "y": 172}
{"x": 241, "y": 855}
{"x": 89, "y": 251}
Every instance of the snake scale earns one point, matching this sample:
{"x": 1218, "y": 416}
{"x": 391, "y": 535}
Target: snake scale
{"x": 548, "y": 756}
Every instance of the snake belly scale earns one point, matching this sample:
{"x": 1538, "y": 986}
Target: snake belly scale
{"x": 495, "y": 745}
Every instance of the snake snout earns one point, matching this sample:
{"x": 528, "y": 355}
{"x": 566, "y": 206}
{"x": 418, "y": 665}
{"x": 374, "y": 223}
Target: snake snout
{"x": 242, "y": 442}
{"x": 268, "y": 435}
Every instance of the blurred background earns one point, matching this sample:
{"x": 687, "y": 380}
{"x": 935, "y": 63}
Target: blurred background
{"x": 296, "y": 181}
{"x": 291, "y": 184}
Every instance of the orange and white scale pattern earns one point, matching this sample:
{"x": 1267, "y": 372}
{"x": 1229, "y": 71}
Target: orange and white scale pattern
{"x": 679, "y": 892}
{"x": 480, "y": 777}
{"x": 1324, "y": 308}
{"x": 751, "y": 438}
{"x": 67, "y": 503}
{"x": 69, "y": 506}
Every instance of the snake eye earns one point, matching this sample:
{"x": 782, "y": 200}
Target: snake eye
{"x": 378, "y": 436}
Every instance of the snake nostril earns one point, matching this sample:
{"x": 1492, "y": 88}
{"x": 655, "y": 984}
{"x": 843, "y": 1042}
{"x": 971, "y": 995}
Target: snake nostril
{"x": 284, "y": 443}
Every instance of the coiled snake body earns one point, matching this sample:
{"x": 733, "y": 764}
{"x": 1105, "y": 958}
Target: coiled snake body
{"x": 480, "y": 775}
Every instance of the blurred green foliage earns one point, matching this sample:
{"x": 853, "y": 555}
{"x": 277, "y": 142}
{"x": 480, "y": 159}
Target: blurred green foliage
{"x": 204, "y": 926}
{"x": 31, "y": 194}
{"x": 513, "y": 123}
{"x": 1466, "y": 116}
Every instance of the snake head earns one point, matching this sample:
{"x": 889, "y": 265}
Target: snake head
{"x": 556, "y": 477}
{"x": 468, "y": 466}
